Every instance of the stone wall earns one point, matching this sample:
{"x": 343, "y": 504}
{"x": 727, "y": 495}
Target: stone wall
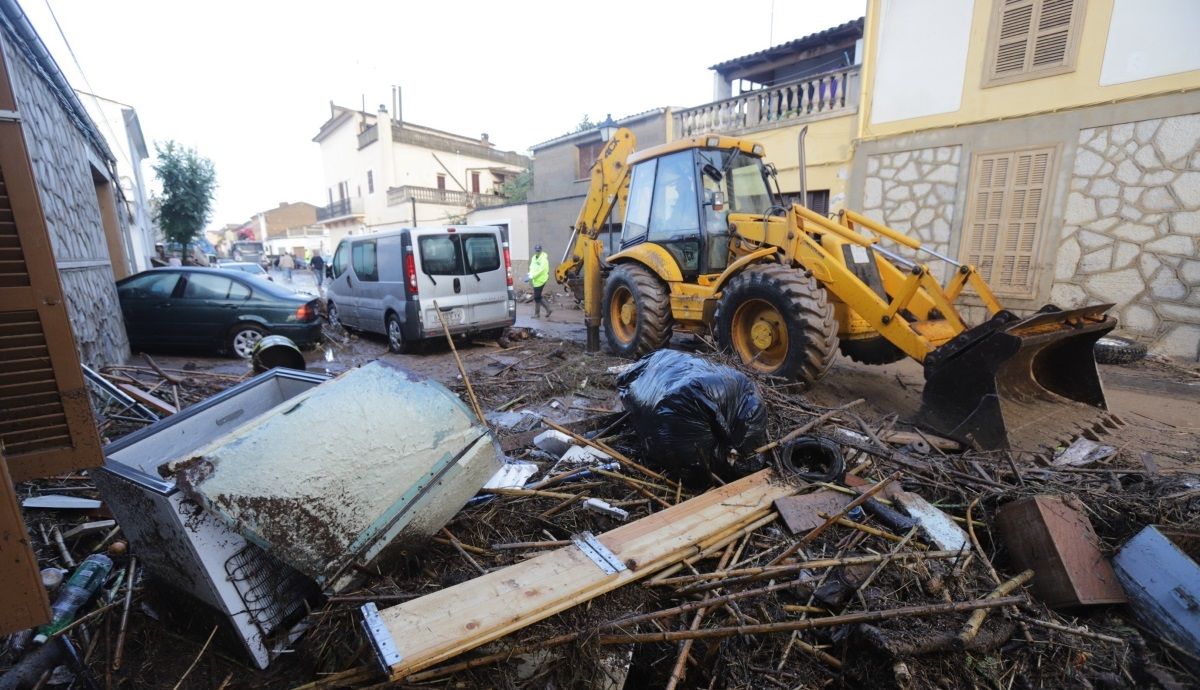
{"x": 62, "y": 167}
{"x": 913, "y": 192}
{"x": 1131, "y": 232}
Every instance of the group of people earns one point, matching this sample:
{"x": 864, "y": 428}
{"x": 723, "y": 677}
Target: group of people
{"x": 288, "y": 263}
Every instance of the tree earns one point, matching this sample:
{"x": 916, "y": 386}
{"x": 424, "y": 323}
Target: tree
{"x": 516, "y": 190}
{"x": 585, "y": 124}
{"x": 188, "y": 181}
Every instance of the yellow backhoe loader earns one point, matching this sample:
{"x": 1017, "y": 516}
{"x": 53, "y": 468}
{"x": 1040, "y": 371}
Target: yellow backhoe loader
{"x": 708, "y": 247}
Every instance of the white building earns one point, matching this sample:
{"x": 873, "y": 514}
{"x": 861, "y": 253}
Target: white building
{"x": 383, "y": 172}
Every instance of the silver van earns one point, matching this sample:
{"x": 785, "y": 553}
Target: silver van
{"x": 388, "y": 282}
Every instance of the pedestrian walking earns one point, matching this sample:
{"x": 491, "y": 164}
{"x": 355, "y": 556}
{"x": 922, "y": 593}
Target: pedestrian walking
{"x": 288, "y": 263}
{"x": 539, "y": 273}
{"x": 318, "y": 268}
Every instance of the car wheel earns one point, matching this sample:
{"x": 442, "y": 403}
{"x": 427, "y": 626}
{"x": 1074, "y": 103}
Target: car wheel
{"x": 395, "y": 336}
{"x": 244, "y": 337}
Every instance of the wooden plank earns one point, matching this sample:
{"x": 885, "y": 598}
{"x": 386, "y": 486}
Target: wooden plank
{"x": 451, "y": 621}
{"x": 147, "y": 399}
{"x": 22, "y": 598}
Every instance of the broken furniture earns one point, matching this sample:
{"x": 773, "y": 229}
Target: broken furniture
{"x": 1160, "y": 571}
{"x": 1057, "y": 542}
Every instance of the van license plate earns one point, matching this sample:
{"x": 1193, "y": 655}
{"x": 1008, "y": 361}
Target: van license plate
{"x": 454, "y": 317}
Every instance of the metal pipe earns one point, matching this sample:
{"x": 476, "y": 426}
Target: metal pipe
{"x": 802, "y": 163}
{"x": 940, "y": 256}
{"x": 895, "y": 257}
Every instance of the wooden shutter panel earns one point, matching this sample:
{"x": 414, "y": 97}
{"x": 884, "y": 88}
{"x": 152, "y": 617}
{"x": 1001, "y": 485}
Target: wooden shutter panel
{"x": 46, "y": 422}
{"x": 1006, "y": 207}
{"x": 1032, "y": 38}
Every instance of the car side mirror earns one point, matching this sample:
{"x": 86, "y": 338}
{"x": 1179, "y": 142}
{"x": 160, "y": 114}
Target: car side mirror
{"x": 329, "y": 271}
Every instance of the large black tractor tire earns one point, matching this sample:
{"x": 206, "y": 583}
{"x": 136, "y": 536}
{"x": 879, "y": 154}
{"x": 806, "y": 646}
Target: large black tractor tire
{"x": 1111, "y": 349}
{"x": 779, "y": 322}
{"x": 636, "y": 311}
{"x": 876, "y": 350}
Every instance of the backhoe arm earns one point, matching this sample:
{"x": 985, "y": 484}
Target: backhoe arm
{"x": 607, "y": 193}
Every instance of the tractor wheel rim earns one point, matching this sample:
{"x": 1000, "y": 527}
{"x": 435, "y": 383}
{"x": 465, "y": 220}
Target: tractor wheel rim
{"x": 760, "y": 335}
{"x": 244, "y": 342}
{"x": 623, "y": 314}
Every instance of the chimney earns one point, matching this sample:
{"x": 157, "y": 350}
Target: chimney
{"x": 484, "y": 138}
{"x": 282, "y": 204}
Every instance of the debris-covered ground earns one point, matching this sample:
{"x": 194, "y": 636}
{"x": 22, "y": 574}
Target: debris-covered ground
{"x": 749, "y": 608}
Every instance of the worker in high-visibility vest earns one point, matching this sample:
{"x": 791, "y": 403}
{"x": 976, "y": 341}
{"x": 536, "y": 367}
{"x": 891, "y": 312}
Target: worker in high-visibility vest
{"x": 539, "y": 273}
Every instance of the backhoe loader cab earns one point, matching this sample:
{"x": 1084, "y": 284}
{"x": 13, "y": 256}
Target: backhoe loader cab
{"x": 707, "y": 248}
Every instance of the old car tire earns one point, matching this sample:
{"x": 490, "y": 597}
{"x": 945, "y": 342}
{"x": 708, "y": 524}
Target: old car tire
{"x": 397, "y": 343}
{"x": 876, "y": 350}
{"x": 1112, "y": 349}
{"x": 244, "y": 337}
{"x": 636, "y": 311}
{"x": 778, "y": 321}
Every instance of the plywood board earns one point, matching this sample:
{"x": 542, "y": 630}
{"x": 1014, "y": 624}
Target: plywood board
{"x": 451, "y": 621}
{"x": 802, "y": 513}
{"x": 22, "y": 598}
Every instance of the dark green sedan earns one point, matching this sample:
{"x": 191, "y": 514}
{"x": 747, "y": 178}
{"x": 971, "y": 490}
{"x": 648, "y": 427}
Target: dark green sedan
{"x": 211, "y": 307}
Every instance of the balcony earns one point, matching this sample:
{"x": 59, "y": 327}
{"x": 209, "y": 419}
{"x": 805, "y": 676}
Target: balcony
{"x": 816, "y": 97}
{"x": 444, "y": 197}
{"x": 343, "y": 208}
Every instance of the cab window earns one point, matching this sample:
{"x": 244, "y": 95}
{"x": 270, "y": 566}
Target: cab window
{"x": 637, "y": 210}
{"x": 366, "y": 267}
{"x": 482, "y": 253}
{"x": 673, "y": 211}
{"x": 439, "y": 255}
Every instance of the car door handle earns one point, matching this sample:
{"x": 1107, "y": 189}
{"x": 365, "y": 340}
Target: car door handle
{"x": 162, "y": 305}
{"x": 457, "y": 286}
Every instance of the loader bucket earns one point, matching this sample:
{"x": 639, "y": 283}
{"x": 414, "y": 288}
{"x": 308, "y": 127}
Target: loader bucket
{"x": 1026, "y": 384}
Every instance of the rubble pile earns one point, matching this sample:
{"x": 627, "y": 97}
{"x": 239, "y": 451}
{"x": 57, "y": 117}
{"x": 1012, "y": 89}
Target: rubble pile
{"x": 880, "y": 556}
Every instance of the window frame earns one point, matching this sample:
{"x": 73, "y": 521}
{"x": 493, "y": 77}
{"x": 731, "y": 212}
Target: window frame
{"x": 204, "y": 277}
{"x": 583, "y": 164}
{"x": 1070, "y": 52}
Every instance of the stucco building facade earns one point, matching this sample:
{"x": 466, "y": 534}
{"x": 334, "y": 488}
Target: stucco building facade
{"x": 1052, "y": 143}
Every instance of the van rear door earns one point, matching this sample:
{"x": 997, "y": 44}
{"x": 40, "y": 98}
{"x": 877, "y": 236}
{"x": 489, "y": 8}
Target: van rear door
{"x": 483, "y": 256}
{"x": 440, "y": 276}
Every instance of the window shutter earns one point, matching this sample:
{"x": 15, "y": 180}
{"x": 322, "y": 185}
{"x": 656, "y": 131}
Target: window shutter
{"x": 46, "y": 422}
{"x": 1032, "y": 38}
{"x": 1006, "y": 209}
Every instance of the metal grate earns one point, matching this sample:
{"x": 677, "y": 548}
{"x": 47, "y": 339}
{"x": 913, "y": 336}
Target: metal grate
{"x": 272, "y": 592}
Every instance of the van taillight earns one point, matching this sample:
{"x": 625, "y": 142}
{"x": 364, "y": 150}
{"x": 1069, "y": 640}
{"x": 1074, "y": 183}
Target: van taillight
{"x": 508, "y": 264}
{"x": 410, "y": 272}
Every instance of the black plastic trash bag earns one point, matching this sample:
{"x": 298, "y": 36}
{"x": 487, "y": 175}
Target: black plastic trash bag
{"x": 691, "y": 415}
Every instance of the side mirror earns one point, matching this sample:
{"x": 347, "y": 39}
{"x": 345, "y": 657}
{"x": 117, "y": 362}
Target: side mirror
{"x": 328, "y": 271}
{"x": 718, "y": 201}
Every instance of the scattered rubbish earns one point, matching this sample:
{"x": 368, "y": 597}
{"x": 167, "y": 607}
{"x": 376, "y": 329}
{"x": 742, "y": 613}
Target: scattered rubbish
{"x": 694, "y": 417}
{"x": 511, "y": 475}
{"x": 89, "y": 527}
{"x": 584, "y": 455}
{"x": 1057, "y": 542}
{"x": 52, "y": 578}
{"x": 1083, "y": 452}
{"x": 620, "y": 368}
{"x": 276, "y": 351}
{"x": 803, "y": 513}
{"x": 935, "y": 524}
{"x": 332, "y": 507}
{"x": 57, "y": 502}
{"x": 813, "y": 458}
{"x": 605, "y": 508}
{"x": 514, "y": 422}
{"x": 79, "y": 588}
{"x": 1159, "y": 569}
{"x": 553, "y": 442}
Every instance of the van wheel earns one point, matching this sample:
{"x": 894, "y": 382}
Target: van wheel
{"x": 397, "y": 343}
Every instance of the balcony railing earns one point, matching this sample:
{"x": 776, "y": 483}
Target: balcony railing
{"x": 808, "y": 98}
{"x": 445, "y": 197}
{"x": 368, "y": 136}
{"x": 340, "y": 209}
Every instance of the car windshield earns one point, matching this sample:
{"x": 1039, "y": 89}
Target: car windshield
{"x": 743, "y": 180}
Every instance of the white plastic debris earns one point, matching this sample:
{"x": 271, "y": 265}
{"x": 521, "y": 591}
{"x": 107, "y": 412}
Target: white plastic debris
{"x": 553, "y": 442}
{"x": 1083, "y": 452}
{"x": 512, "y": 475}
{"x": 620, "y": 368}
{"x": 584, "y": 455}
{"x": 606, "y": 508}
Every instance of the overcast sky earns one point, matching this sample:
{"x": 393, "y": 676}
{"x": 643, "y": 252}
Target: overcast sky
{"x": 248, "y": 83}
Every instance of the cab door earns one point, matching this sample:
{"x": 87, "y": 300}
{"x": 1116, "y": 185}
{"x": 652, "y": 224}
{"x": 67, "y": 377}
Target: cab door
{"x": 340, "y": 292}
{"x": 487, "y": 277}
{"x": 441, "y": 277}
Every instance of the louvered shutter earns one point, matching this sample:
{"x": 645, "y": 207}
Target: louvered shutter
{"x": 1032, "y": 38}
{"x": 46, "y": 422}
{"x": 1004, "y": 216}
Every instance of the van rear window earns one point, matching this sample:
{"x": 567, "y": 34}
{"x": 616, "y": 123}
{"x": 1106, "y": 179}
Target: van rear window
{"x": 457, "y": 255}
